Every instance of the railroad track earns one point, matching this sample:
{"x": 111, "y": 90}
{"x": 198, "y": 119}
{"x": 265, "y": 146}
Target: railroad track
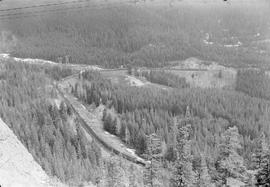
{"x": 83, "y": 117}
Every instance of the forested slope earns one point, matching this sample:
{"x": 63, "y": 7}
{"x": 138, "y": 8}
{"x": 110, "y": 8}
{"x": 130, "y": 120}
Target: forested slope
{"x": 141, "y": 36}
{"x": 254, "y": 82}
{"x": 15, "y": 161}
{"x": 209, "y": 112}
{"x": 50, "y": 132}
{"x": 144, "y": 111}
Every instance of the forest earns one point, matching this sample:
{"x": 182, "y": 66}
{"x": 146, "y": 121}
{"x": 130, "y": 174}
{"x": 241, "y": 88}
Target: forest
{"x": 51, "y": 131}
{"x": 200, "y": 130}
{"x": 143, "y": 36}
{"x": 254, "y": 82}
{"x": 187, "y": 136}
{"x": 215, "y": 118}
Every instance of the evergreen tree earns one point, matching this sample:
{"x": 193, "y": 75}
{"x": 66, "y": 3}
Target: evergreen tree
{"x": 263, "y": 175}
{"x": 204, "y": 177}
{"x": 229, "y": 162}
{"x": 261, "y": 160}
{"x": 153, "y": 154}
{"x": 116, "y": 175}
{"x": 261, "y": 151}
{"x": 127, "y": 135}
{"x": 183, "y": 174}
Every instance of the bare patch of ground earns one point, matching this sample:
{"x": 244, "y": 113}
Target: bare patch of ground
{"x": 133, "y": 81}
{"x": 121, "y": 77}
{"x": 79, "y": 67}
{"x": 17, "y": 166}
{"x": 205, "y": 74}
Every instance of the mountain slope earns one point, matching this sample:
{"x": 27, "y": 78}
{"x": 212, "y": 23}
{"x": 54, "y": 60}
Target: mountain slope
{"x": 17, "y": 166}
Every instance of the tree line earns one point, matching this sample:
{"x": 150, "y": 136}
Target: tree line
{"x": 162, "y": 77}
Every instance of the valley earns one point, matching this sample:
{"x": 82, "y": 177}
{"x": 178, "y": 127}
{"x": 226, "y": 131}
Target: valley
{"x": 134, "y": 94}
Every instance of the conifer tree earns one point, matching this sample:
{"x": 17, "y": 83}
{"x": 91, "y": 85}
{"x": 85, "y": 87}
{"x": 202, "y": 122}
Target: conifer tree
{"x": 127, "y": 135}
{"x": 204, "y": 177}
{"x": 260, "y": 151}
{"x": 153, "y": 154}
{"x": 261, "y": 160}
{"x": 230, "y": 163}
{"x": 263, "y": 175}
{"x": 116, "y": 175}
{"x": 183, "y": 174}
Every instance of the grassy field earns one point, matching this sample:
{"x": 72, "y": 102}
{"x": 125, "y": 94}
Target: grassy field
{"x": 143, "y": 35}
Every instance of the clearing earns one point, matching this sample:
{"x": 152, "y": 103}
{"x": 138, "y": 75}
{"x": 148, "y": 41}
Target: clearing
{"x": 204, "y": 74}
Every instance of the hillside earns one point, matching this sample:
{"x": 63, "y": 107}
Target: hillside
{"x": 129, "y": 33}
{"x": 17, "y": 165}
{"x": 160, "y": 93}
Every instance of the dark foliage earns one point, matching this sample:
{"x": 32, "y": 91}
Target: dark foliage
{"x": 254, "y": 83}
{"x": 164, "y": 78}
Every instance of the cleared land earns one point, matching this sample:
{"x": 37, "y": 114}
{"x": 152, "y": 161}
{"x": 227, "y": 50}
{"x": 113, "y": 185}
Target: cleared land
{"x": 212, "y": 75}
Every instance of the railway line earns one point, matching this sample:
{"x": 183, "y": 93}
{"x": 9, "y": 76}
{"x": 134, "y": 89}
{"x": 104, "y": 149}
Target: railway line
{"x": 111, "y": 144}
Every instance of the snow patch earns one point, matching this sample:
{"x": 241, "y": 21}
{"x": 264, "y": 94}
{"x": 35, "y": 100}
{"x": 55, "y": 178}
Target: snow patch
{"x": 238, "y": 44}
{"x": 33, "y": 61}
{"x": 57, "y": 102}
{"x": 131, "y": 151}
{"x": 6, "y": 56}
{"x": 89, "y": 67}
{"x": 207, "y": 42}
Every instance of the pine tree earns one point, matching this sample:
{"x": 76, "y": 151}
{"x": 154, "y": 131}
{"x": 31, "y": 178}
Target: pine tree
{"x": 153, "y": 154}
{"x": 260, "y": 151}
{"x": 183, "y": 174}
{"x": 127, "y": 135}
{"x": 261, "y": 159}
{"x": 116, "y": 174}
{"x": 263, "y": 175}
{"x": 115, "y": 127}
{"x": 229, "y": 162}
{"x": 204, "y": 177}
